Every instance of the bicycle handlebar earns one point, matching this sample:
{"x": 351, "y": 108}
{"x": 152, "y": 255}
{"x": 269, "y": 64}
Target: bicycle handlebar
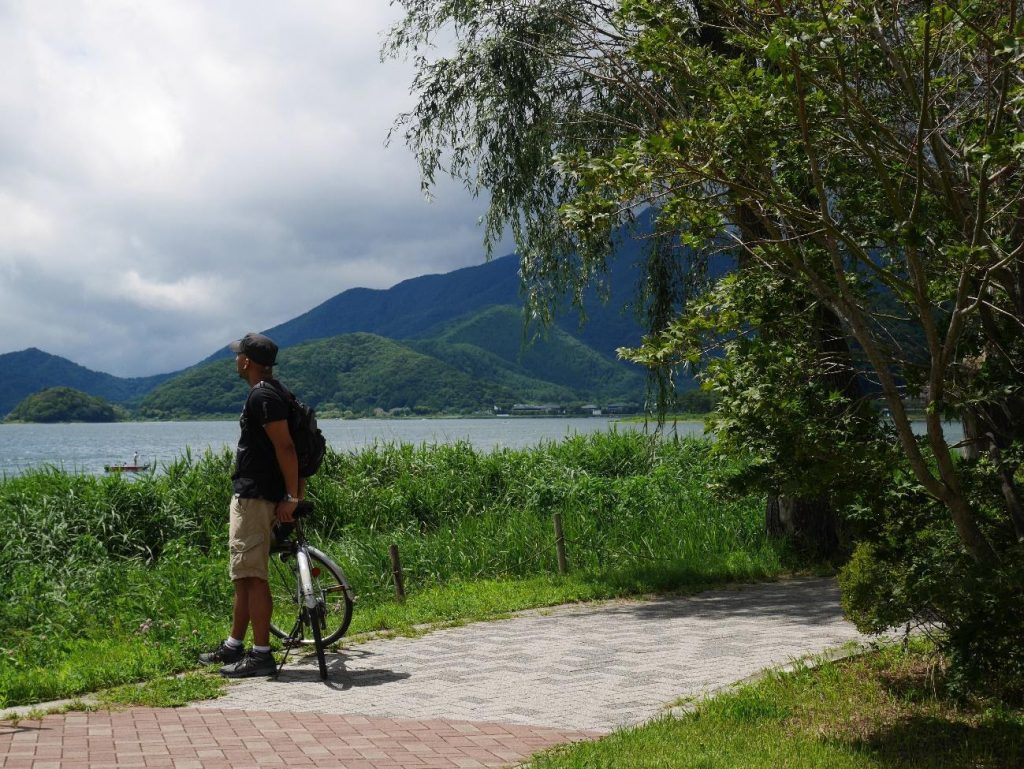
{"x": 303, "y": 508}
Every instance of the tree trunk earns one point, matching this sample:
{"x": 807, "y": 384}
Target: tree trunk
{"x": 776, "y": 517}
{"x": 812, "y": 524}
{"x": 973, "y": 443}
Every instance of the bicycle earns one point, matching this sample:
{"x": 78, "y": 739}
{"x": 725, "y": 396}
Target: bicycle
{"x": 309, "y": 590}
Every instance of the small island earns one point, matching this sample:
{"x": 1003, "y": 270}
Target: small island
{"x": 62, "y": 404}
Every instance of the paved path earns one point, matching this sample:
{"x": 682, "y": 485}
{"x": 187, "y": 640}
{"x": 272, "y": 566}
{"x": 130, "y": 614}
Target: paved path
{"x": 487, "y": 694}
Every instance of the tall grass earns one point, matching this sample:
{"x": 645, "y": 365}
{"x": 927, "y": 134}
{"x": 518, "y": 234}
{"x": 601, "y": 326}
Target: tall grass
{"x": 109, "y": 579}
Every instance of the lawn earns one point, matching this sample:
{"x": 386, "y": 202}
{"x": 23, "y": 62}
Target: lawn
{"x": 884, "y": 710}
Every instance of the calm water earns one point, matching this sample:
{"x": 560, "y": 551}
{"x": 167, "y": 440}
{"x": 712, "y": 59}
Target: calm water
{"x": 87, "y": 448}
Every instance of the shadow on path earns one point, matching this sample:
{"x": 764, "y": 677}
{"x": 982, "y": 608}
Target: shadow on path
{"x": 338, "y": 676}
{"x": 814, "y": 602}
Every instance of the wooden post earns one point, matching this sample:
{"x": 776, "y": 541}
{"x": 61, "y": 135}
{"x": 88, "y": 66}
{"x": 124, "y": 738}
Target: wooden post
{"x": 396, "y": 572}
{"x": 560, "y": 543}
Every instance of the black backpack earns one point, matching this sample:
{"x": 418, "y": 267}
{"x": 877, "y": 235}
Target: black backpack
{"x": 310, "y": 444}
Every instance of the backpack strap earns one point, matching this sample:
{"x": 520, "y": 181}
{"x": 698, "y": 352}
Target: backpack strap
{"x": 286, "y": 395}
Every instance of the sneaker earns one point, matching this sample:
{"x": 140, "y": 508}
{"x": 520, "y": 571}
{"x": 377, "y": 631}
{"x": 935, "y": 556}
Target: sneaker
{"x": 252, "y": 664}
{"x": 222, "y": 655}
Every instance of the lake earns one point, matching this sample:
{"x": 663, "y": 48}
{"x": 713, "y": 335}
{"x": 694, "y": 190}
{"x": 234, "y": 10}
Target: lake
{"x": 86, "y": 448}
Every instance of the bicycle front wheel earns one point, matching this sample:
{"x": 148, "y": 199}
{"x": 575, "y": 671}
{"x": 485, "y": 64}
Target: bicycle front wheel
{"x": 316, "y": 623}
{"x": 288, "y": 621}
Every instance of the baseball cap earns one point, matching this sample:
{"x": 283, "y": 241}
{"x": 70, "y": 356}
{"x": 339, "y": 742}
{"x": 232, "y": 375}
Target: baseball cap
{"x": 256, "y": 347}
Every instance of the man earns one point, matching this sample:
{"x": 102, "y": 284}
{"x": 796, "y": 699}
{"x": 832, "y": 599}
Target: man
{"x": 266, "y": 487}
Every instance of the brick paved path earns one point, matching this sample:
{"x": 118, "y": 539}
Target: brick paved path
{"x": 238, "y": 739}
{"x": 487, "y": 694}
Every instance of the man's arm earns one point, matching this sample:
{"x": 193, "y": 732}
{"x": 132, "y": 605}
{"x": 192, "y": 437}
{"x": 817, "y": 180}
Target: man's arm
{"x": 288, "y": 461}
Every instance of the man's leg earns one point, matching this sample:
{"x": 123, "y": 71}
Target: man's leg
{"x": 240, "y": 613}
{"x": 253, "y": 602}
{"x": 260, "y": 606}
{"x": 229, "y": 651}
{"x": 252, "y": 605}
{"x": 251, "y": 520}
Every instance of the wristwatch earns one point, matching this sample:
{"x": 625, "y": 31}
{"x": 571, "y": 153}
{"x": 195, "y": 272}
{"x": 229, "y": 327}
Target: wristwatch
{"x": 289, "y": 498}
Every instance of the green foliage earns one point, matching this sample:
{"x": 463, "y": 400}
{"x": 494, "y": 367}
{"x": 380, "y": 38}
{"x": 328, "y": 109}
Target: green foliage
{"x": 62, "y": 404}
{"x": 782, "y": 402}
{"x": 844, "y": 234}
{"x": 165, "y": 692}
{"x": 909, "y": 568}
{"x": 138, "y": 567}
{"x": 454, "y": 372}
{"x": 861, "y": 163}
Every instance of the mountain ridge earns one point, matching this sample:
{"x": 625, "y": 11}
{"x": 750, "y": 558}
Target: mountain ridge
{"x": 362, "y": 373}
{"x": 413, "y": 312}
{"x": 414, "y": 307}
{"x": 32, "y": 370}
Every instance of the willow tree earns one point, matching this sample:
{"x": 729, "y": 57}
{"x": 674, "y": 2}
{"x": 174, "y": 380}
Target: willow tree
{"x": 527, "y": 94}
{"x": 879, "y": 145}
{"x": 861, "y": 163}
{"x": 878, "y": 148}
{"x": 519, "y": 85}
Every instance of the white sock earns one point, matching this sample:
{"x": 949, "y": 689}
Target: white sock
{"x": 261, "y": 649}
{"x": 233, "y": 643}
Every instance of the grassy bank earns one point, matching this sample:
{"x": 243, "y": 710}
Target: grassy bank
{"x": 881, "y": 711}
{"x": 115, "y": 580}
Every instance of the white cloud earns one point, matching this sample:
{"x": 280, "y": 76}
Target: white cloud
{"x": 162, "y": 165}
{"x": 194, "y": 294}
{"x": 27, "y": 229}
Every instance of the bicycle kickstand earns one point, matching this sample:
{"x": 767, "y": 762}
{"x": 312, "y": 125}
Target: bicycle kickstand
{"x": 288, "y": 646}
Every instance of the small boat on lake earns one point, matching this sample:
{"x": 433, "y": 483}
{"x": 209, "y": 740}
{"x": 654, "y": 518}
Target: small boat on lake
{"x": 128, "y": 467}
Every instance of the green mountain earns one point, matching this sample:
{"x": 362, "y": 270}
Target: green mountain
{"x": 415, "y": 308}
{"x": 361, "y": 372}
{"x": 30, "y": 371}
{"x": 351, "y": 372}
{"x": 493, "y": 343}
{"x": 448, "y": 319}
{"x": 208, "y": 390}
{"x": 472, "y": 365}
{"x": 62, "y": 404}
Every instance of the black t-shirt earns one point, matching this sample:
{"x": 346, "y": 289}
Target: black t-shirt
{"x": 256, "y": 470}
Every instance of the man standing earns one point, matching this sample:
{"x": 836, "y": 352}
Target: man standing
{"x": 266, "y": 487}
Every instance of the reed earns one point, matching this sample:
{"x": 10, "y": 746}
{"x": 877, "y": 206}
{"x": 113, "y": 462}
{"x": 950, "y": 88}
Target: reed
{"x": 111, "y": 580}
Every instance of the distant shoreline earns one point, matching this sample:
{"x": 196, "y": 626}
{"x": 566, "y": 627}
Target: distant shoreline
{"x": 392, "y": 417}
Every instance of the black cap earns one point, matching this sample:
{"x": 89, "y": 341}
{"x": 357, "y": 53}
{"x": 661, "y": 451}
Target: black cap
{"x": 258, "y": 348}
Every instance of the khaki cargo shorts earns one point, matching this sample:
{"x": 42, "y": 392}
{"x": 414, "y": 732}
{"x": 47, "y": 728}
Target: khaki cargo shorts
{"x": 249, "y": 537}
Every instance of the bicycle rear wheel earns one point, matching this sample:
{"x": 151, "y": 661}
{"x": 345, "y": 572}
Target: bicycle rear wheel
{"x": 332, "y": 590}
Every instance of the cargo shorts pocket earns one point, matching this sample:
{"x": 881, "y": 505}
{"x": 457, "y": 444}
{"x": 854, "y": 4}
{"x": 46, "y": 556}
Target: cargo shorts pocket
{"x": 248, "y": 556}
{"x": 240, "y": 549}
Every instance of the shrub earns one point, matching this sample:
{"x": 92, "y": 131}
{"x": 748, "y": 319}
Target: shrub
{"x": 910, "y": 567}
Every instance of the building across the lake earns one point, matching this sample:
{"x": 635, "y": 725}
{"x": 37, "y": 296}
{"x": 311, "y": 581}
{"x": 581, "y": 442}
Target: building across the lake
{"x": 559, "y": 409}
{"x": 537, "y": 409}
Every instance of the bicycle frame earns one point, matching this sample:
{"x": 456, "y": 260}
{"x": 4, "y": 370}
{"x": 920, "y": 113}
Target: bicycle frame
{"x": 305, "y": 578}
{"x": 314, "y": 577}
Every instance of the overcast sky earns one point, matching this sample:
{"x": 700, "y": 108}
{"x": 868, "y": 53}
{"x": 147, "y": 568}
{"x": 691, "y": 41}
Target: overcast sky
{"x": 174, "y": 174}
